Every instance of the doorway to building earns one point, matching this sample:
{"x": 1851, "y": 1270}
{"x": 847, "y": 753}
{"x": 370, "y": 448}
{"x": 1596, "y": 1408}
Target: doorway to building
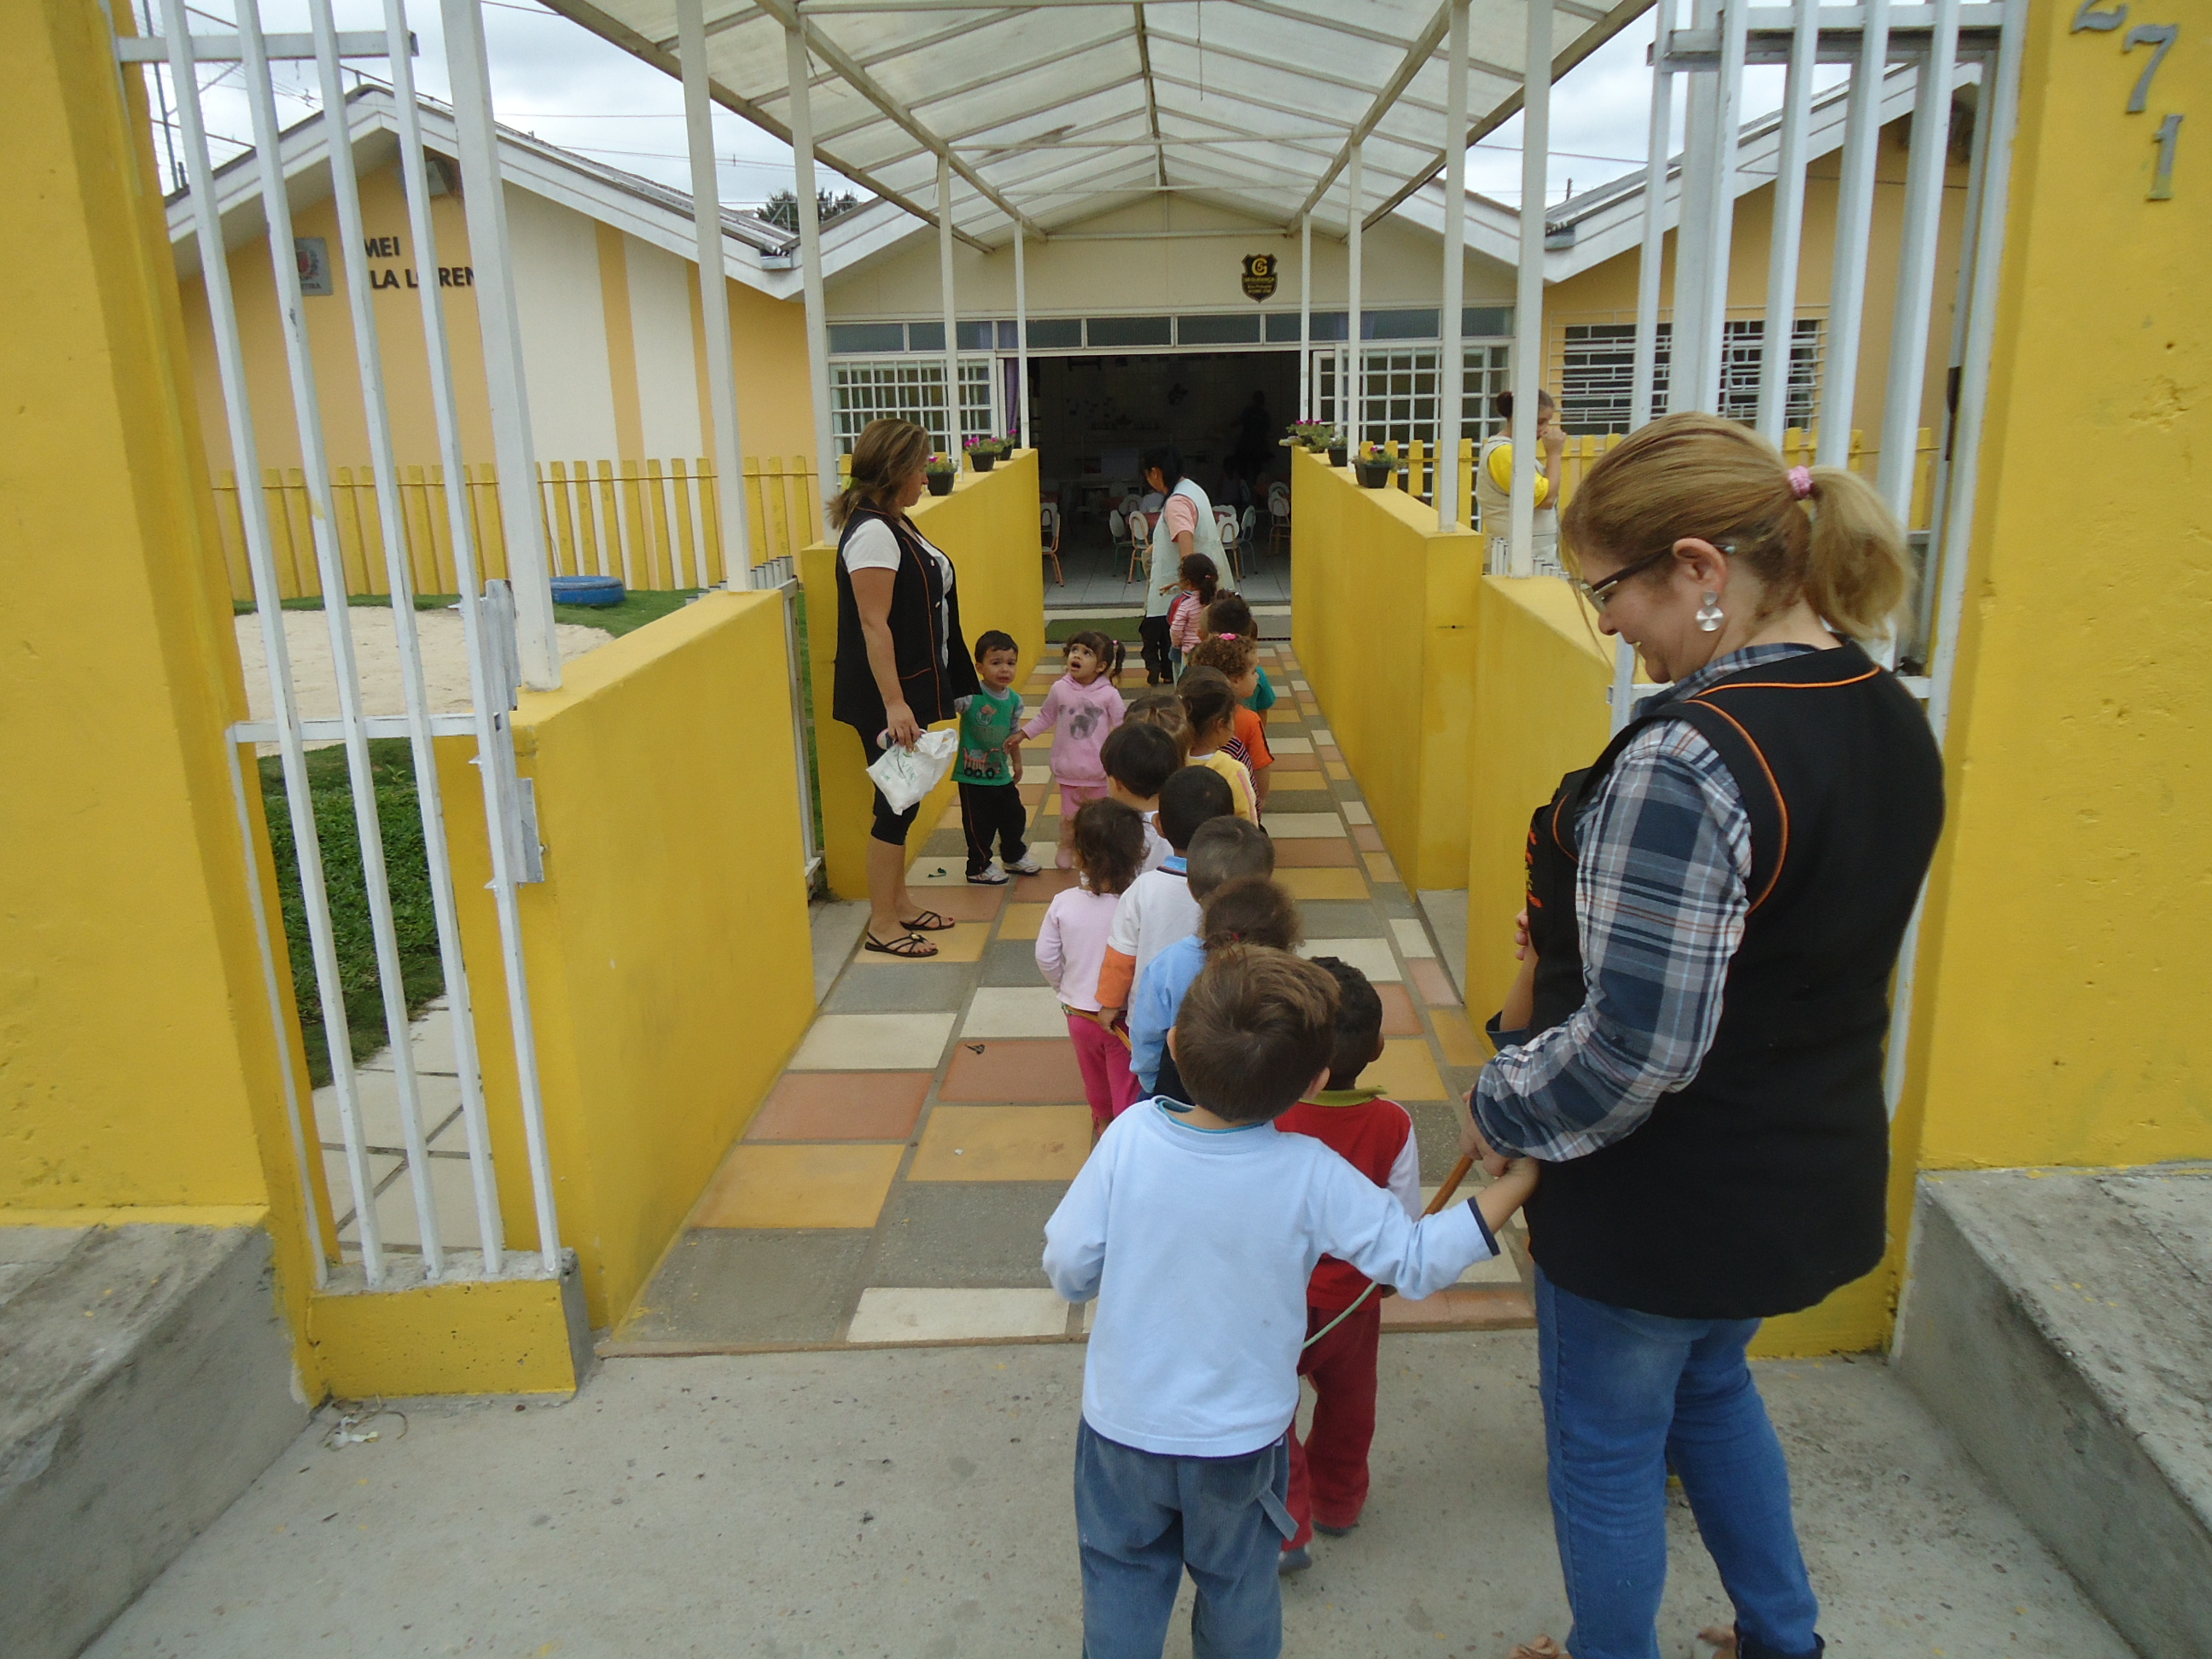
{"x": 1092, "y": 417}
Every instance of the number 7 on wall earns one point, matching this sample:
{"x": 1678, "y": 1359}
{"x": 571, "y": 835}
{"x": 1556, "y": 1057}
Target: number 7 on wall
{"x": 2161, "y": 35}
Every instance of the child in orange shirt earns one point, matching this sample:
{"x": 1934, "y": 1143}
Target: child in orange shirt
{"x": 1238, "y": 661}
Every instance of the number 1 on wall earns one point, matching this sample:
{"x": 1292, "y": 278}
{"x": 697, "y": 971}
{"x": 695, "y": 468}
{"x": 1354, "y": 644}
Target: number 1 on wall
{"x": 2168, "y": 134}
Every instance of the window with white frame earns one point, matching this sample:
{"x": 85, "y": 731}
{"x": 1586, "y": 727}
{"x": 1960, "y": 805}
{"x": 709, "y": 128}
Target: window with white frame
{"x": 1597, "y": 372}
{"x": 1399, "y": 395}
{"x": 909, "y": 389}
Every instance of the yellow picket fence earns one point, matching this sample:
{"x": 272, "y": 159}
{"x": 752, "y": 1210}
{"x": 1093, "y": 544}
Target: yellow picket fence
{"x": 655, "y": 524}
{"x": 1581, "y": 453}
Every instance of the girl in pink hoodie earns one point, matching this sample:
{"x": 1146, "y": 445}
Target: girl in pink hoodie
{"x": 1083, "y": 705}
{"x": 1107, "y": 840}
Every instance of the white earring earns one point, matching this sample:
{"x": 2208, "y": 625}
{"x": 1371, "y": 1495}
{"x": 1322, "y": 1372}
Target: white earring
{"x": 1710, "y": 615}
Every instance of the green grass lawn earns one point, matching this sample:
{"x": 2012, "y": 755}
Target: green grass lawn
{"x": 1113, "y": 627}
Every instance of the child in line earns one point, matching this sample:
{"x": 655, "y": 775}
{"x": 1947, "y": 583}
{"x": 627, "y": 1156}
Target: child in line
{"x": 989, "y": 768}
{"x": 1329, "y": 1469}
{"x": 1139, "y": 759}
{"x": 1238, "y": 661}
{"x": 1197, "y": 1232}
{"x": 1230, "y": 618}
{"x": 1200, "y": 581}
{"x": 1248, "y": 909}
{"x": 1211, "y": 708}
{"x": 1163, "y": 708}
{"x": 1107, "y": 841}
{"x": 1158, "y": 909}
{"x": 1080, "y": 709}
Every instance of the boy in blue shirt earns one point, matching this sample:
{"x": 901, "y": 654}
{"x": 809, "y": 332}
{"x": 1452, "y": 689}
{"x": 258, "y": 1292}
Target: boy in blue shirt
{"x": 1197, "y": 1230}
{"x": 988, "y": 772}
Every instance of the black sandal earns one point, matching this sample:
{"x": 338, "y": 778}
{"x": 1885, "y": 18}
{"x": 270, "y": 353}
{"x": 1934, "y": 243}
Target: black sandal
{"x": 909, "y": 947}
{"x": 929, "y": 922}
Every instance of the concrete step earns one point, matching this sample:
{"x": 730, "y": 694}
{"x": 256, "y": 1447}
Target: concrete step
{"x": 145, "y": 1379}
{"x": 2061, "y": 1325}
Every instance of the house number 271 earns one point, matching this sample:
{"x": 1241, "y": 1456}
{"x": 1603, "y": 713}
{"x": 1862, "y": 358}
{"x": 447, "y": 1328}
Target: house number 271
{"x": 2160, "y": 38}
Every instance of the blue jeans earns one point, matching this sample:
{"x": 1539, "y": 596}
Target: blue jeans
{"x": 1625, "y": 1394}
{"x": 1141, "y": 1518}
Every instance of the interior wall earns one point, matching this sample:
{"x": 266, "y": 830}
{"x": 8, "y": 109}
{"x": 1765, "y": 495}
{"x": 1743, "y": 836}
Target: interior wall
{"x": 1089, "y": 413}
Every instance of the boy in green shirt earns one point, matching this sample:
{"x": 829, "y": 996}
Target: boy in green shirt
{"x": 987, "y": 771}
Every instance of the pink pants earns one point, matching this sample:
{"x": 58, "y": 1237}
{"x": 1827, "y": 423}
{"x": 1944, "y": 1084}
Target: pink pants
{"x": 1107, "y": 1079}
{"x": 1072, "y": 795}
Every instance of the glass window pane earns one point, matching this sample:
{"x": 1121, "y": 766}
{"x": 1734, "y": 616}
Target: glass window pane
{"x": 1129, "y": 331}
{"x": 924, "y": 336}
{"x": 1055, "y": 334}
{"x": 1487, "y": 322}
{"x": 1400, "y": 325}
{"x": 976, "y": 336}
{"x": 1231, "y": 329}
{"x": 867, "y": 336}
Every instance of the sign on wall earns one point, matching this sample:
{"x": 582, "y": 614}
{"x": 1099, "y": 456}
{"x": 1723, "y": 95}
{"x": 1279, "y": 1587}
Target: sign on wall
{"x": 1260, "y": 275}
{"x": 313, "y": 253}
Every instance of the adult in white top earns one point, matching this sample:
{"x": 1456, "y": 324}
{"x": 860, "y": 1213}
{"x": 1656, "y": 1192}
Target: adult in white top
{"x": 1185, "y": 526}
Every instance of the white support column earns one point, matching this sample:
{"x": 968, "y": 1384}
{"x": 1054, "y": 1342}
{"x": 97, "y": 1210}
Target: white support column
{"x": 1305, "y": 318}
{"x": 520, "y": 510}
{"x": 1719, "y": 223}
{"x": 1528, "y": 292}
{"x": 1021, "y": 339}
{"x": 1693, "y": 227}
{"x": 1451, "y": 383}
{"x": 1788, "y": 237}
{"x": 1353, "y": 382}
{"x": 1916, "y": 265}
{"x": 1658, "y": 139}
{"x": 1839, "y": 365}
{"x": 715, "y": 297}
{"x": 810, "y": 258}
{"x": 951, "y": 314}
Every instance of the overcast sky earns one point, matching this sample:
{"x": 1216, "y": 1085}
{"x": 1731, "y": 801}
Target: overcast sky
{"x": 555, "y": 79}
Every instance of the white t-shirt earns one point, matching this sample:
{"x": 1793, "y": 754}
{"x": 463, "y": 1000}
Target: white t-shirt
{"x": 1205, "y": 1364}
{"x": 874, "y": 545}
{"x": 1156, "y": 910}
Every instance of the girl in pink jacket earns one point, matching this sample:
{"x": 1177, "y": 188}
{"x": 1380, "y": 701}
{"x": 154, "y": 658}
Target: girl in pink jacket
{"x": 1083, "y": 705}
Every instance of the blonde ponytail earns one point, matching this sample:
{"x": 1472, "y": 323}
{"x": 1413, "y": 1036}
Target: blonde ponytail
{"x": 1840, "y": 548}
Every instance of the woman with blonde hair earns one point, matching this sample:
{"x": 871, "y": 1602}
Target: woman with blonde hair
{"x": 1693, "y": 1048}
{"x": 901, "y": 658}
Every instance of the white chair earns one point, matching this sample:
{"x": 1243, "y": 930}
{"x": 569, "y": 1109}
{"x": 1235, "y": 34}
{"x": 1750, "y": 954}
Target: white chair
{"x": 1140, "y": 544}
{"x": 1049, "y": 533}
{"x": 1225, "y": 521}
{"x": 1278, "y": 515}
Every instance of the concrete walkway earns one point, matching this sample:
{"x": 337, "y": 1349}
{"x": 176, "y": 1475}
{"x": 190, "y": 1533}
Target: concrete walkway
{"x": 916, "y": 1503}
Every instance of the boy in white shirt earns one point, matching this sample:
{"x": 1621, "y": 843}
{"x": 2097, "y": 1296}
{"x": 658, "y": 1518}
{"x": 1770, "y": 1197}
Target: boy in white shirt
{"x": 1197, "y": 1231}
{"x": 1159, "y": 909}
{"x": 1138, "y": 760}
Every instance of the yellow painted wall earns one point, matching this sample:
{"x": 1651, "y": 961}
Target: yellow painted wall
{"x": 2061, "y": 1015}
{"x": 139, "y": 1071}
{"x": 507, "y": 1337}
{"x": 987, "y": 526}
{"x": 667, "y": 947}
{"x": 1607, "y": 293}
{"x": 1383, "y": 610}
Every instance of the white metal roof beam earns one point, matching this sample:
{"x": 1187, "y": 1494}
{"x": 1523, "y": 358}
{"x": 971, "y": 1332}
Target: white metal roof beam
{"x": 1151, "y": 97}
{"x": 1005, "y": 72}
{"x": 866, "y": 84}
{"x": 1300, "y": 71}
{"x": 1234, "y": 97}
{"x": 963, "y": 134}
{"x": 1334, "y": 25}
{"x": 1422, "y": 48}
{"x": 646, "y": 50}
{"x": 1229, "y": 135}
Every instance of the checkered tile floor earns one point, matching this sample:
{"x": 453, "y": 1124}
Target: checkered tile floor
{"x": 895, "y": 1186}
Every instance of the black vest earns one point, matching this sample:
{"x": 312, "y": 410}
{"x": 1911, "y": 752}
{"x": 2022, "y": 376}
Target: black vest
{"x": 1760, "y": 1187}
{"x": 933, "y": 661}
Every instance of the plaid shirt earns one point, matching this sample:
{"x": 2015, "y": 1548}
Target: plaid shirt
{"x": 1661, "y": 894}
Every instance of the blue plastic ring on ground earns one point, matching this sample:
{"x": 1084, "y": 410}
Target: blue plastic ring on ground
{"x": 588, "y": 590}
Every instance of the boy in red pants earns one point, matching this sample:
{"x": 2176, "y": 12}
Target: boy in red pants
{"x": 1329, "y": 1469}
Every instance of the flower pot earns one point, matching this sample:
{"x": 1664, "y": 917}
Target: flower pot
{"x": 940, "y": 483}
{"x": 1373, "y": 475}
{"x": 1336, "y": 455}
{"x": 983, "y": 463}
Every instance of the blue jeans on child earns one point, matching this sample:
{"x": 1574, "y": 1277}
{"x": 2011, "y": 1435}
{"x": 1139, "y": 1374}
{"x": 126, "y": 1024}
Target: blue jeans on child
{"x": 1625, "y": 1394}
{"x": 1141, "y": 1518}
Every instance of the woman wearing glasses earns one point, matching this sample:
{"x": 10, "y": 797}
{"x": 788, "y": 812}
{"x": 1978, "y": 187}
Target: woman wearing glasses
{"x": 1694, "y": 1046}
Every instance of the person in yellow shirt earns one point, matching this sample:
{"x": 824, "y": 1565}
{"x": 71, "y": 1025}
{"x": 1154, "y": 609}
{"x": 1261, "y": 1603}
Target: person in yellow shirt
{"x": 1210, "y": 704}
{"x": 1493, "y": 486}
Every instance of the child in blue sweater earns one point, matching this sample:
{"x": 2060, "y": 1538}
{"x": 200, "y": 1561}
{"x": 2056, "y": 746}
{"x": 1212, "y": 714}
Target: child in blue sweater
{"x": 1197, "y": 1231}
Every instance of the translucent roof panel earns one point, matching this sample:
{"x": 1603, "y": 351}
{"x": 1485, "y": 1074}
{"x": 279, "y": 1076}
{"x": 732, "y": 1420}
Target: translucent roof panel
{"x": 1053, "y": 110}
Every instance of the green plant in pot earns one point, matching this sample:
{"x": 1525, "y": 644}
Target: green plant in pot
{"x": 983, "y": 452}
{"x": 938, "y": 471}
{"x": 1319, "y": 437}
{"x": 1374, "y": 466}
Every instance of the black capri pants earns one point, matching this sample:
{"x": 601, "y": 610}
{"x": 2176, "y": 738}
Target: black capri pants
{"x": 889, "y": 827}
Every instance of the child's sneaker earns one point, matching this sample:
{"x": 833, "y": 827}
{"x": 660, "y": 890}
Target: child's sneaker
{"x": 990, "y": 877}
{"x": 1026, "y": 867}
{"x": 1293, "y": 1561}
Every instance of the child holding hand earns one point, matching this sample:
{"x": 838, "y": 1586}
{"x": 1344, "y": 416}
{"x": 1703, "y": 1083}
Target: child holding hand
{"x": 1080, "y": 709}
{"x": 989, "y": 770}
{"x": 1197, "y": 1231}
{"x": 1107, "y": 839}
{"x": 1200, "y": 582}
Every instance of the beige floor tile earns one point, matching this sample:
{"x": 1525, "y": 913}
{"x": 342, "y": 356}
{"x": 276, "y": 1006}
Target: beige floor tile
{"x": 341, "y": 1186}
{"x": 1355, "y": 811}
{"x": 767, "y": 1185}
{"x": 1407, "y": 1070}
{"x": 1290, "y": 745}
{"x": 1304, "y": 826}
{"x": 1338, "y": 770}
{"x": 378, "y": 1093}
{"x": 1372, "y": 956}
{"x": 1022, "y": 920}
{"x": 1321, "y": 735}
{"x": 431, "y": 1037}
{"x": 1458, "y": 1040}
{"x": 1323, "y": 882}
{"x": 1014, "y": 1012}
{"x": 1379, "y": 867}
{"x": 875, "y": 1042}
{"x": 1412, "y": 937}
{"x": 914, "y": 1316}
{"x": 453, "y": 1197}
{"x": 1003, "y": 1143}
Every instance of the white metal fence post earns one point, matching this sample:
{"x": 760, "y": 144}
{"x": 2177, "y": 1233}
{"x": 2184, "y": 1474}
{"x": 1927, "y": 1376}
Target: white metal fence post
{"x": 1021, "y": 341}
{"x": 1707, "y": 368}
{"x": 1356, "y": 362}
{"x": 521, "y": 511}
{"x": 1909, "y": 330}
{"x": 1529, "y": 290}
{"x": 1693, "y": 235}
{"x": 1854, "y": 226}
{"x": 1452, "y": 382}
{"x": 1787, "y": 236}
{"x": 1643, "y": 374}
{"x": 1305, "y": 318}
{"x": 952, "y": 315}
{"x": 800, "y": 72}
{"x": 714, "y": 300}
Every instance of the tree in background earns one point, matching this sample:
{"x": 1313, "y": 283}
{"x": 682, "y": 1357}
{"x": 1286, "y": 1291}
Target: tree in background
{"x": 782, "y": 208}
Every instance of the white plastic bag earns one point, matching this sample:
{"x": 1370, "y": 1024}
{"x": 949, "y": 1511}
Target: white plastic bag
{"x": 905, "y": 775}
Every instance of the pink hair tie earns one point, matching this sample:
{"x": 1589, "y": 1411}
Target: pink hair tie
{"x": 1800, "y": 481}
{"x": 1224, "y": 636}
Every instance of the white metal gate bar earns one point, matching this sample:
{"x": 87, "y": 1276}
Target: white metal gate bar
{"x": 1853, "y": 229}
{"x": 1529, "y": 293}
{"x": 230, "y": 365}
{"x": 1451, "y": 383}
{"x": 345, "y": 189}
{"x": 1789, "y": 235}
